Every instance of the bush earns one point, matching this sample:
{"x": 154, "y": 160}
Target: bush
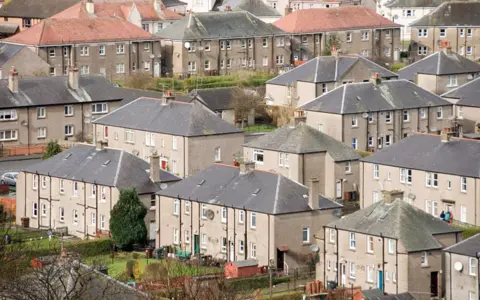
{"x": 130, "y": 265}
{"x": 91, "y": 248}
{"x": 288, "y": 296}
{"x": 52, "y": 149}
{"x": 396, "y": 67}
{"x": 155, "y": 271}
{"x": 256, "y": 282}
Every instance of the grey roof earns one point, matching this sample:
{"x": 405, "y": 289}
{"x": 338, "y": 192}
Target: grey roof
{"x": 367, "y": 97}
{"x": 175, "y": 118}
{"x": 466, "y": 94}
{"x": 428, "y": 153}
{"x": 328, "y": 69}
{"x": 372, "y": 293}
{"x": 172, "y": 3}
{"x": 411, "y": 226}
{"x": 454, "y": 13}
{"x": 259, "y": 191}
{"x": 469, "y": 247}
{"x": 108, "y": 167}
{"x": 256, "y": 7}
{"x": 7, "y": 51}
{"x": 219, "y": 25}
{"x": 402, "y": 296}
{"x": 246, "y": 263}
{"x": 440, "y": 63}
{"x": 218, "y": 99}
{"x": 414, "y": 3}
{"x": 475, "y": 136}
{"x": 54, "y": 90}
{"x": 34, "y": 8}
{"x": 128, "y": 95}
{"x": 302, "y": 138}
{"x": 8, "y": 28}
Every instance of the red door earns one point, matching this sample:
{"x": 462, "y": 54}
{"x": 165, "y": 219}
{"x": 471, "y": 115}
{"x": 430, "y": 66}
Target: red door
{"x": 106, "y": 132}
{"x": 164, "y": 164}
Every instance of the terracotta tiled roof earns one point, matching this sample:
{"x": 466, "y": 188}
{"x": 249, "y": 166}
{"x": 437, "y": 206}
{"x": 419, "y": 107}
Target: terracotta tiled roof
{"x": 119, "y": 10}
{"x": 332, "y": 19}
{"x": 66, "y": 31}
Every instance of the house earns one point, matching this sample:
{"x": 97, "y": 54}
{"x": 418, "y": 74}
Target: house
{"x": 461, "y": 269}
{"x": 436, "y": 173}
{"x": 300, "y": 152}
{"x": 241, "y": 268}
{"x": 25, "y": 61}
{"x": 236, "y": 213}
{"x": 371, "y": 115}
{"x": 188, "y": 136}
{"x": 176, "y": 6}
{"x": 258, "y": 8}
{"x": 223, "y": 42}
{"x": 152, "y": 16}
{"x": 37, "y": 110}
{"x": 467, "y": 106}
{"x": 454, "y": 24}
{"x": 441, "y": 71}
{"x": 405, "y": 12}
{"x": 112, "y": 47}
{"x": 26, "y": 13}
{"x": 390, "y": 245}
{"x": 352, "y": 29}
{"x": 320, "y": 75}
{"x": 78, "y": 188}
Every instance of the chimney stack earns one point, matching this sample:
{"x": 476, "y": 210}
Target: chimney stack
{"x": 446, "y": 135}
{"x": 391, "y": 196}
{"x": 313, "y": 193}
{"x": 155, "y": 167}
{"x": 13, "y": 80}
{"x": 228, "y": 8}
{"x": 288, "y": 10}
{"x": 100, "y": 145}
{"x": 158, "y": 5}
{"x": 167, "y": 96}
{"x": 90, "y": 7}
{"x": 300, "y": 119}
{"x": 447, "y": 50}
{"x": 335, "y": 52}
{"x": 73, "y": 78}
{"x": 376, "y": 80}
{"x": 247, "y": 167}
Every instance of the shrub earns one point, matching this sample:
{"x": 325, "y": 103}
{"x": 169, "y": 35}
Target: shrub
{"x": 256, "y": 282}
{"x": 129, "y": 268}
{"x": 136, "y": 270}
{"x": 91, "y": 248}
{"x": 155, "y": 271}
{"x": 52, "y": 149}
{"x": 135, "y": 255}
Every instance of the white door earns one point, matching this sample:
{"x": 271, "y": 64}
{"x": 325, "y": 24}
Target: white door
{"x": 339, "y": 190}
{"x": 156, "y": 69}
{"x": 396, "y": 54}
{"x": 152, "y": 228}
{"x": 232, "y": 252}
{"x": 344, "y": 276}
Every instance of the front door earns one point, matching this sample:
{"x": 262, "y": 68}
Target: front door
{"x": 196, "y": 244}
{"x": 232, "y": 251}
{"x": 164, "y": 165}
{"x": 152, "y": 230}
{"x": 280, "y": 259}
{"x": 434, "y": 284}
{"x": 380, "y": 280}
{"x": 156, "y": 69}
{"x": 339, "y": 190}
{"x": 344, "y": 274}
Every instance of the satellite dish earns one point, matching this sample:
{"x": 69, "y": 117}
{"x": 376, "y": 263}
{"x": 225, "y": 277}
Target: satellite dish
{"x": 458, "y": 266}
{"x": 314, "y": 248}
{"x": 395, "y": 17}
{"x": 210, "y": 214}
{"x": 187, "y": 45}
{"x": 163, "y": 186}
{"x": 412, "y": 196}
{"x": 365, "y": 115}
{"x": 24, "y": 123}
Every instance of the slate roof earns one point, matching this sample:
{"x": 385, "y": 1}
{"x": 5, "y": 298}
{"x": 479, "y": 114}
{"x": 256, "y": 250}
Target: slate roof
{"x": 414, "y": 3}
{"x": 302, "y": 138}
{"x": 7, "y": 51}
{"x": 225, "y": 185}
{"x": 172, "y": 3}
{"x": 402, "y": 296}
{"x": 413, "y": 227}
{"x": 219, "y": 25}
{"x": 71, "y": 31}
{"x": 466, "y": 94}
{"x": 128, "y": 95}
{"x": 175, "y": 118}
{"x": 455, "y": 13}
{"x": 372, "y": 293}
{"x": 256, "y": 7}
{"x": 428, "y": 153}
{"x": 54, "y": 90}
{"x": 367, "y": 97}
{"x": 329, "y": 69}
{"x": 333, "y": 19}
{"x": 469, "y": 247}
{"x": 8, "y": 28}
{"x": 218, "y": 99}
{"x": 440, "y": 63}
{"x": 108, "y": 167}
{"x": 34, "y": 8}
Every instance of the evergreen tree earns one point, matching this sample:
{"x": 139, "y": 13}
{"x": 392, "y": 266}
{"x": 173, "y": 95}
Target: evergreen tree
{"x": 53, "y": 148}
{"x": 127, "y": 223}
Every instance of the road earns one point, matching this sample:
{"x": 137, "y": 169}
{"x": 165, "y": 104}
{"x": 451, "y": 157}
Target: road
{"x": 16, "y": 165}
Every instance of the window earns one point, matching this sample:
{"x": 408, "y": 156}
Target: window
{"x": 391, "y": 246}
{"x": 370, "y": 244}
{"x": 463, "y": 184}
{"x": 471, "y": 295}
{"x": 394, "y": 277}
{"x": 431, "y": 207}
{"x": 306, "y": 235}
{"x": 370, "y": 271}
{"x": 324, "y": 88}
{"x": 388, "y": 140}
{"x": 469, "y": 50}
{"x": 84, "y": 70}
{"x": 75, "y": 188}
{"x": 354, "y": 121}
{"x": 332, "y": 236}
{"x": 408, "y": 13}
{"x": 241, "y": 246}
{"x": 75, "y": 216}
{"x": 443, "y": 32}
{"x": 204, "y": 211}
{"x": 422, "y": 50}
{"x": 472, "y": 266}
{"x": 222, "y": 45}
{"x": 279, "y": 59}
{"x": 41, "y": 113}
{"x": 387, "y": 34}
{"x": 265, "y": 61}
{"x": 174, "y": 143}
{"x": 84, "y": 51}
{"x": 403, "y": 173}
{"x": 329, "y": 265}
{"x": 349, "y": 37}
{"x": 8, "y": 135}
{"x": 304, "y": 40}
{"x": 409, "y": 176}
{"x": 364, "y": 53}
{"x": 120, "y": 49}
{"x": 386, "y": 276}
{"x": 463, "y": 214}
{"x": 428, "y": 179}
{"x": 204, "y": 240}
{"x": 258, "y": 156}
{"x": 44, "y": 210}
{"x": 388, "y": 52}
{"x": 389, "y": 178}
{"x": 176, "y": 207}
{"x": 146, "y": 47}
{"x": 253, "y": 250}
{"x": 244, "y": 62}
{"x": 348, "y": 167}
{"x": 422, "y": 32}
{"x": 207, "y": 46}
{"x": 241, "y": 216}
{"x": 244, "y": 43}
{"x": 354, "y": 143}
{"x": 26, "y": 22}
{"x": 52, "y": 71}
{"x": 228, "y": 44}
{"x": 146, "y": 27}
{"x": 424, "y": 259}
{"x": 206, "y": 65}
{"x": 352, "y": 270}
{"x": 99, "y": 108}
{"x": 452, "y": 81}
{"x": 229, "y": 63}
{"x": 222, "y": 64}
{"x": 353, "y": 243}
{"x": 68, "y": 110}
{"x": 61, "y": 186}
{"x": 280, "y": 41}
{"x": 388, "y": 117}
{"x": 149, "y": 139}
{"x": 101, "y": 50}
{"x": 422, "y": 113}
{"x": 146, "y": 65}
{"x": 193, "y": 47}
{"x": 376, "y": 171}
{"x": 176, "y": 237}
{"x": 120, "y": 68}
{"x": 94, "y": 218}
{"x": 375, "y": 197}
{"x": 35, "y": 209}
{"x": 435, "y": 180}
{"x": 115, "y": 136}
{"x": 449, "y": 185}
{"x": 406, "y": 116}
{"x": 187, "y": 207}
{"x": 253, "y": 220}
{"x": 42, "y": 132}
{"x": 192, "y": 66}
{"x": 129, "y": 136}
{"x": 224, "y": 215}
{"x": 61, "y": 213}
{"x": 469, "y": 32}
{"x": 51, "y": 52}
{"x": 224, "y": 245}
{"x": 8, "y": 115}
{"x": 264, "y": 43}
{"x": 370, "y": 118}
{"x": 365, "y": 35}
{"x": 35, "y": 182}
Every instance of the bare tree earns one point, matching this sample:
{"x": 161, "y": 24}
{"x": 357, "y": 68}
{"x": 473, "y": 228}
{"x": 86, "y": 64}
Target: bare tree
{"x": 246, "y": 101}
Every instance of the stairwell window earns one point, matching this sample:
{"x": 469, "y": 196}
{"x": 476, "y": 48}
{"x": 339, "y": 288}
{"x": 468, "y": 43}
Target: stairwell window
{"x": 332, "y": 236}
{"x": 207, "y": 46}
{"x": 174, "y": 143}
{"x": 176, "y": 207}
{"x": 253, "y": 250}
{"x": 253, "y": 220}
{"x": 187, "y": 207}
{"x": 469, "y": 50}
{"x": 224, "y": 215}
{"x": 472, "y": 266}
{"x": 354, "y": 121}
{"x": 403, "y": 175}
{"x": 354, "y": 143}
{"x": 409, "y": 176}
{"x": 218, "y": 154}
{"x": 352, "y": 241}
{"x": 469, "y": 32}
{"x": 394, "y": 276}
{"x": 35, "y": 182}
{"x": 370, "y": 244}
{"x": 187, "y": 236}
{"x": 348, "y": 167}
{"x": 406, "y": 116}
{"x": 35, "y": 210}
{"x": 376, "y": 171}
{"x": 176, "y": 237}
{"x": 463, "y": 184}
{"x": 204, "y": 241}
{"x": 424, "y": 259}
{"x": 370, "y": 273}
{"x": 463, "y": 214}
{"x": 224, "y": 245}
{"x": 61, "y": 214}
{"x": 388, "y": 117}
{"x": 241, "y": 216}
{"x": 75, "y": 217}
{"x": 375, "y": 197}
{"x": 391, "y": 246}
{"x": 61, "y": 186}
{"x": 241, "y": 246}
{"x": 44, "y": 210}
{"x": 75, "y": 188}
{"x": 204, "y": 211}
{"x": 264, "y": 43}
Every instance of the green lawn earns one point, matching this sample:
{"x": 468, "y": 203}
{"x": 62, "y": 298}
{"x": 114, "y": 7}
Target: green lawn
{"x": 259, "y": 128}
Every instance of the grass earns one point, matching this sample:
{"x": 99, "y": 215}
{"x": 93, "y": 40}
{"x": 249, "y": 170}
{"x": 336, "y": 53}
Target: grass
{"x": 468, "y": 231}
{"x": 259, "y": 128}
{"x": 20, "y": 234}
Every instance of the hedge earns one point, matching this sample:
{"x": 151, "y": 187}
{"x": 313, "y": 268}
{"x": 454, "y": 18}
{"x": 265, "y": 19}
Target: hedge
{"x": 257, "y": 282}
{"x": 90, "y": 248}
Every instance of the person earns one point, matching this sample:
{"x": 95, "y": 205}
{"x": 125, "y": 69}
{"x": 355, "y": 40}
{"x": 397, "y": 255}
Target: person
{"x": 442, "y": 215}
{"x": 447, "y": 217}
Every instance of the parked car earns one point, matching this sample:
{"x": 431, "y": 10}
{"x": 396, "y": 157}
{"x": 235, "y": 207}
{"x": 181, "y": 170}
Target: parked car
{"x": 9, "y": 178}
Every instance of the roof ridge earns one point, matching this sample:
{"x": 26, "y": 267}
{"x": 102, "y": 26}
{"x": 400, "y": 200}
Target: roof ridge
{"x": 461, "y": 242}
{"x": 414, "y": 63}
{"x": 459, "y": 87}
{"x": 118, "y": 168}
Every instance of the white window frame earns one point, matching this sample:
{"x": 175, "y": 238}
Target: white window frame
{"x": 406, "y": 115}
{"x": 376, "y": 171}
{"x": 102, "y": 221}
{"x": 403, "y": 175}
{"x": 224, "y": 215}
{"x": 99, "y": 108}
{"x": 352, "y": 270}
{"x": 370, "y": 244}
{"x": 44, "y": 210}
{"x": 8, "y": 115}
{"x": 307, "y": 231}
{"x": 442, "y": 33}
{"x": 187, "y": 207}
{"x": 365, "y": 35}
{"x": 35, "y": 182}
{"x": 424, "y": 259}
{"x": 224, "y": 245}
{"x": 472, "y": 266}
{"x": 68, "y": 110}
{"x": 241, "y": 217}
{"x": 120, "y": 48}
{"x": 354, "y": 121}
{"x": 463, "y": 214}
{"x": 218, "y": 154}
{"x": 463, "y": 184}
{"x": 348, "y": 167}
{"x": 422, "y": 113}
{"x": 187, "y": 236}
{"x": 394, "y": 276}
{"x": 101, "y": 50}
{"x": 452, "y": 81}
{"x": 75, "y": 188}
{"x": 204, "y": 211}
{"x": 204, "y": 241}
{"x": 388, "y": 117}
{"x": 352, "y": 241}
{"x": 354, "y": 143}
{"x": 129, "y": 136}
{"x": 84, "y": 51}
{"x": 174, "y": 142}
{"x": 176, "y": 207}
{"x": 176, "y": 236}
{"x": 35, "y": 209}
{"x": 409, "y": 176}
{"x": 253, "y": 220}
{"x": 93, "y": 218}
{"x": 75, "y": 217}
{"x": 256, "y": 154}
{"x": 332, "y": 235}
{"x": 61, "y": 214}
{"x": 253, "y": 250}
{"x": 120, "y": 68}
{"x": 370, "y": 273}
{"x": 391, "y": 248}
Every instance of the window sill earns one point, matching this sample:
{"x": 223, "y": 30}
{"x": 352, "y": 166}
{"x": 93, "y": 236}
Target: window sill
{"x": 61, "y": 221}
{"x": 371, "y": 282}
{"x": 34, "y": 217}
{"x": 425, "y": 266}
{"x": 370, "y": 252}
{"x": 152, "y": 208}
{"x": 348, "y": 173}
{"x": 204, "y": 247}
{"x": 353, "y": 249}
{"x": 41, "y": 137}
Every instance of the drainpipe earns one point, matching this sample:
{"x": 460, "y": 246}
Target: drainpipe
{"x": 28, "y": 130}
{"x": 245, "y": 218}
{"x": 50, "y": 199}
{"x": 234, "y": 233}
{"x": 376, "y": 135}
{"x": 338, "y": 256}
{"x": 366, "y": 135}
{"x": 383, "y": 261}
{"x": 199, "y": 227}
{"x": 96, "y": 206}
{"x": 418, "y": 119}
{"x": 227, "y": 243}
{"x": 39, "y": 217}
{"x": 191, "y": 229}
{"x": 325, "y": 255}
{"x": 184, "y": 160}
{"x": 428, "y": 119}
{"x": 85, "y": 231}
{"x": 268, "y": 247}
{"x": 25, "y": 199}
{"x": 475, "y": 180}
{"x": 396, "y": 265}
{"x": 180, "y": 221}
{"x": 303, "y": 169}
{"x": 450, "y": 276}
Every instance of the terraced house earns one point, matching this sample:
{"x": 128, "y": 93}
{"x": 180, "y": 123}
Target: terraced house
{"x": 351, "y": 29}
{"x": 223, "y": 43}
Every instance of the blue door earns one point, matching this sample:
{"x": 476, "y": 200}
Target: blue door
{"x": 380, "y": 280}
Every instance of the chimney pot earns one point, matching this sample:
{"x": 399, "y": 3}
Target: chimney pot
{"x": 100, "y": 145}
{"x": 155, "y": 167}
{"x": 167, "y": 96}
{"x": 288, "y": 10}
{"x": 376, "y": 80}
{"x": 392, "y": 196}
{"x": 73, "y": 78}
{"x": 13, "y": 80}
{"x": 247, "y": 167}
{"x": 313, "y": 193}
